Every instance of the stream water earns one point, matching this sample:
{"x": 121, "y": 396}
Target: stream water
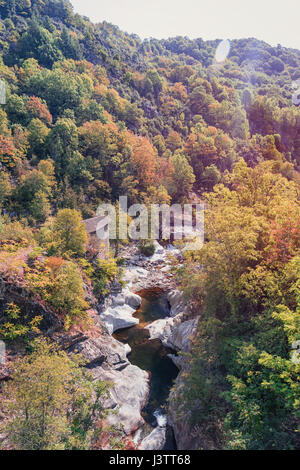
{"x": 151, "y": 355}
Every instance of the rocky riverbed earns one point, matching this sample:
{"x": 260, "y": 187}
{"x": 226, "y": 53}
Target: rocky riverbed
{"x": 131, "y": 384}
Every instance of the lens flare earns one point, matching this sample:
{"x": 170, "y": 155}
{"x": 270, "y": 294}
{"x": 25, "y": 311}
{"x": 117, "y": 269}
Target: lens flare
{"x": 222, "y": 51}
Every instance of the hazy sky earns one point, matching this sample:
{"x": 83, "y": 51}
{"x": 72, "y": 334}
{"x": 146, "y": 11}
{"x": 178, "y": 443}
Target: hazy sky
{"x": 274, "y": 21}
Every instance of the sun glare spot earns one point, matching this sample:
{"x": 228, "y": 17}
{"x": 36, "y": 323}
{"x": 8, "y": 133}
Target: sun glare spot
{"x": 222, "y": 51}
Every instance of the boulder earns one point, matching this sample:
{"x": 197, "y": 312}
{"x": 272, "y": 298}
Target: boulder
{"x": 155, "y": 441}
{"x": 176, "y": 302}
{"x": 104, "y": 349}
{"x": 161, "y": 329}
{"x": 117, "y": 318}
{"x": 117, "y": 300}
{"x": 129, "y": 395}
{"x": 173, "y": 333}
{"x": 133, "y": 300}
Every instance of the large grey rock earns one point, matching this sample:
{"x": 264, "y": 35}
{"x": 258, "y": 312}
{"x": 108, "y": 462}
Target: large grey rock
{"x": 106, "y": 359}
{"x": 161, "y": 329}
{"x": 119, "y": 317}
{"x": 155, "y": 441}
{"x": 129, "y": 395}
{"x": 173, "y": 333}
{"x": 117, "y": 300}
{"x": 104, "y": 349}
{"x": 133, "y": 300}
{"x": 182, "y": 334}
{"x": 176, "y": 302}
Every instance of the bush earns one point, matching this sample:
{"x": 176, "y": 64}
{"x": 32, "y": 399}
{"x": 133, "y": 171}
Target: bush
{"x": 147, "y": 248}
{"x": 105, "y": 272}
{"x": 16, "y": 325}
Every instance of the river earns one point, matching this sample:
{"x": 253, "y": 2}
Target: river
{"x": 152, "y": 356}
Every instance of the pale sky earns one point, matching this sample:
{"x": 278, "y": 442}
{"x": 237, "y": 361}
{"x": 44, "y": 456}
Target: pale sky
{"x": 274, "y": 21}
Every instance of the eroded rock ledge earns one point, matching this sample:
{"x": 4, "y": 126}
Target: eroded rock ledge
{"x": 107, "y": 359}
{"x": 176, "y": 331}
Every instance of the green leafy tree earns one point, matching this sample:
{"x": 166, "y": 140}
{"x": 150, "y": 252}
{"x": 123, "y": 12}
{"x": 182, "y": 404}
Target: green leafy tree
{"x": 210, "y": 177}
{"x": 62, "y": 143}
{"x": 70, "y": 232}
{"x": 181, "y": 179}
{"x": 53, "y": 402}
{"x": 38, "y": 133}
{"x": 66, "y": 294}
{"x": 5, "y": 187}
{"x": 40, "y": 206}
{"x": 37, "y": 42}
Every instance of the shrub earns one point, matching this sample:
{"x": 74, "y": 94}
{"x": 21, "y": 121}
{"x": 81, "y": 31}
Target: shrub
{"x": 147, "y": 248}
{"x": 16, "y": 325}
{"x": 105, "y": 272}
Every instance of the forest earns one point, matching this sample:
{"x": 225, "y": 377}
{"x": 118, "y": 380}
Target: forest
{"x": 91, "y": 114}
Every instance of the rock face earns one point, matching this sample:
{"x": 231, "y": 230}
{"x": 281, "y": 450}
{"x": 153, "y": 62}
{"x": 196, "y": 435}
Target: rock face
{"x": 186, "y": 435}
{"x": 174, "y": 332}
{"x": 106, "y": 358}
{"x": 128, "y": 396}
{"x": 181, "y": 335}
{"x": 176, "y": 302}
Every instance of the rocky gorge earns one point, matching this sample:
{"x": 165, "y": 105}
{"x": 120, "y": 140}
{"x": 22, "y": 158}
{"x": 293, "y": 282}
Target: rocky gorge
{"x": 171, "y": 334}
{"x": 148, "y": 311}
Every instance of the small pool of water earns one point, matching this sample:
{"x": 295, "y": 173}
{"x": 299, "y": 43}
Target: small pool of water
{"x": 154, "y": 306}
{"x": 151, "y": 355}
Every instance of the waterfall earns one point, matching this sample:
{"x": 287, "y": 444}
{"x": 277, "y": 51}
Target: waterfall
{"x": 161, "y": 418}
